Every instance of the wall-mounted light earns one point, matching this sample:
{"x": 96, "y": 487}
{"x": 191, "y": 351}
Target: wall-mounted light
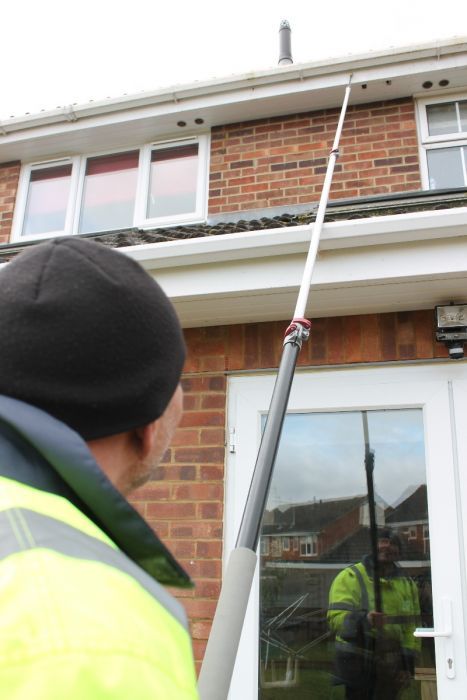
{"x": 451, "y": 328}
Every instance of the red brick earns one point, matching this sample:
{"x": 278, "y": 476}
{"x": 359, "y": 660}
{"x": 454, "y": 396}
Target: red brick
{"x": 170, "y": 511}
{"x": 197, "y": 492}
{"x": 201, "y": 455}
{"x": 209, "y": 549}
{"x": 210, "y": 511}
{"x": 197, "y": 608}
{"x": 202, "y": 418}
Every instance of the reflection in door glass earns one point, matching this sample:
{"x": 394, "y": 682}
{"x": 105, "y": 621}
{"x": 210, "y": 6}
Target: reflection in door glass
{"x": 348, "y": 489}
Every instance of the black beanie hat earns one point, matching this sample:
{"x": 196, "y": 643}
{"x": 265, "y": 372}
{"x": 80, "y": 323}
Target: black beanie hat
{"x": 88, "y": 336}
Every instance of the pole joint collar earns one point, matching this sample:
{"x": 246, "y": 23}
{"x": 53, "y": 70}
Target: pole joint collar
{"x": 298, "y": 331}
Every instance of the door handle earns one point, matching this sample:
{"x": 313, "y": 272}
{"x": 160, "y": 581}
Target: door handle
{"x": 446, "y": 632}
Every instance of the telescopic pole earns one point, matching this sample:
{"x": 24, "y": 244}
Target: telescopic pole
{"x": 369, "y": 469}
{"x": 221, "y": 651}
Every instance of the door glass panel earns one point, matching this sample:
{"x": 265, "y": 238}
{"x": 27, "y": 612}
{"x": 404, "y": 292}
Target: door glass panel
{"x": 322, "y": 633}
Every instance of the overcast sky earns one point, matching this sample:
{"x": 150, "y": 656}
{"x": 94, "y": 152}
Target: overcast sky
{"x": 57, "y": 52}
{"x": 330, "y": 461}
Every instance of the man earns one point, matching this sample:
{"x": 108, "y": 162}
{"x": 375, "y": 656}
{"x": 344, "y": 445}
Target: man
{"x": 91, "y": 354}
{"x": 375, "y": 651}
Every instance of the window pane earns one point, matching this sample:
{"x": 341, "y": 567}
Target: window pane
{"x": 463, "y": 114}
{"x": 109, "y": 192}
{"x": 172, "y": 187}
{"x": 442, "y": 118}
{"x": 47, "y": 200}
{"x": 314, "y": 640}
{"x": 445, "y": 168}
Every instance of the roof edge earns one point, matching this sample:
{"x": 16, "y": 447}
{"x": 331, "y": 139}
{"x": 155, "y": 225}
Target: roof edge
{"x": 276, "y": 75}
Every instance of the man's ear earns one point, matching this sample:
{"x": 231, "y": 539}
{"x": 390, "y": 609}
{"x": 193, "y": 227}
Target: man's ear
{"x": 145, "y": 437}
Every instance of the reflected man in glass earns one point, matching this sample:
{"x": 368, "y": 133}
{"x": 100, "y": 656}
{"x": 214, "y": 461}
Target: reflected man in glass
{"x": 375, "y": 652}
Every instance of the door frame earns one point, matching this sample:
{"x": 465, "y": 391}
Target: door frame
{"x": 440, "y": 390}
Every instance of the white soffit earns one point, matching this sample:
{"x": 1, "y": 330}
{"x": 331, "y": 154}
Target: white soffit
{"x": 291, "y": 89}
{"x": 377, "y": 264}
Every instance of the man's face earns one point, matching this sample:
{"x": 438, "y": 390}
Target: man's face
{"x": 167, "y": 424}
{"x": 165, "y": 427}
{"x": 388, "y": 551}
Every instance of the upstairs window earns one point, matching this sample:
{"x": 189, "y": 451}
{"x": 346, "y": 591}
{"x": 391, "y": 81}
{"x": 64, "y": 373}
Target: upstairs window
{"x": 173, "y": 180}
{"x": 47, "y": 199}
{"x": 443, "y": 131}
{"x": 155, "y": 185}
{"x": 109, "y": 192}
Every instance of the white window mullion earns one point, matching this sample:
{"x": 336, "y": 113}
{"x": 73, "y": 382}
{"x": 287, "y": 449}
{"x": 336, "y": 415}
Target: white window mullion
{"x": 458, "y": 115}
{"x": 142, "y": 185}
{"x": 464, "y": 168}
{"x": 79, "y": 165}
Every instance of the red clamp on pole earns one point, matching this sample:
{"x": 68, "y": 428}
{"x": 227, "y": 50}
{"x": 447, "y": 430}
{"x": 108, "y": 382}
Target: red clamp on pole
{"x": 303, "y": 322}
{"x": 298, "y": 331}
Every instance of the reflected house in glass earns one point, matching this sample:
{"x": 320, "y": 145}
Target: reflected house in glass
{"x": 410, "y": 520}
{"x": 314, "y": 530}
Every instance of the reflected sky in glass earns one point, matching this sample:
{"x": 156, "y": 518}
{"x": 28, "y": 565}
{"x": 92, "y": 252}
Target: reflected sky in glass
{"x": 321, "y": 456}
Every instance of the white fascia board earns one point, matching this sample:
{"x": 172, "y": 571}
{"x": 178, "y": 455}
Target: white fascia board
{"x": 368, "y": 266}
{"x": 379, "y": 264}
{"x": 389, "y": 64}
{"x": 354, "y": 233}
{"x": 352, "y": 281}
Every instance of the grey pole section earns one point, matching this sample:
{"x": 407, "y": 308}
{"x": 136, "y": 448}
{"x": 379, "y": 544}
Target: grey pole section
{"x": 221, "y": 651}
{"x": 369, "y": 470}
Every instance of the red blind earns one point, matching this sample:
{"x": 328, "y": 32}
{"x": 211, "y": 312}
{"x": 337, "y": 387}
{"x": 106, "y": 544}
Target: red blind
{"x": 112, "y": 163}
{"x": 50, "y": 173}
{"x": 174, "y": 152}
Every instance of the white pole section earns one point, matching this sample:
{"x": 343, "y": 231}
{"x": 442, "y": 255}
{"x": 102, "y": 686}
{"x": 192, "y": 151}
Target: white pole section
{"x": 318, "y": 224}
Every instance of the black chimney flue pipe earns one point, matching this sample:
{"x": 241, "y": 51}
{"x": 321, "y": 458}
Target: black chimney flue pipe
{"x": 285, "y": 47}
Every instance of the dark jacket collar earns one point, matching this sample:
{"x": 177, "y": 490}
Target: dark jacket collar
{"x": 39, "y": 450}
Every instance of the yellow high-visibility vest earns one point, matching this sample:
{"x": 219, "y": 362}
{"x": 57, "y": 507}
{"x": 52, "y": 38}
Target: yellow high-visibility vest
{"x": 78, "y": 618}
{"x": 82, "y": 615}
{"x": 351, "y": 597}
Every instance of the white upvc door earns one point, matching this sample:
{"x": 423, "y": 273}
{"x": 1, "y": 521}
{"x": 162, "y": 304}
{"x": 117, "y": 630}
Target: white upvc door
{"x": 435, "y": 395}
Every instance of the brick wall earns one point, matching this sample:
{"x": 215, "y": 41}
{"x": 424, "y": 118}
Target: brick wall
{"x": 282, "y": 161}
{"x": 9, "y": 175}
{"x": 184, "y": 501}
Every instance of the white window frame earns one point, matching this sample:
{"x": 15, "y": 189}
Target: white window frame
{"x": 143, "y": 184}
{"x": 427, "y": 142}
{"x": 22, "y": 198}
{"x": 305, "y": 541}
{"x": 78, "y": 174}
{"x": 264, "y": 545}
